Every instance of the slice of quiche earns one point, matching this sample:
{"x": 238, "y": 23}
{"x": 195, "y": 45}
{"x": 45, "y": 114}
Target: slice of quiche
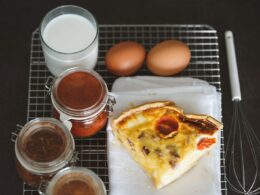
{"x": 163, "y": 140}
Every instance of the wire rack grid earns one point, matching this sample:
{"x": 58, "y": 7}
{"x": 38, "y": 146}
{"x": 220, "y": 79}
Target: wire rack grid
{"x": 202, "y": 41}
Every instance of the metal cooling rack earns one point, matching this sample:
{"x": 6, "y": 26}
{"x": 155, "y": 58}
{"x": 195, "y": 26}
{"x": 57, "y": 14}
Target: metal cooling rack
{"x": 204, "y": 64}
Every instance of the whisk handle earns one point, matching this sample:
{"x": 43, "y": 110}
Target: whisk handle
{"x": 232, "y": 66}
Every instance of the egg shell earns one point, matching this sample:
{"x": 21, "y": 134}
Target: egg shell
{"x": 125, "y": 58}
{"x": 168, "y": 57}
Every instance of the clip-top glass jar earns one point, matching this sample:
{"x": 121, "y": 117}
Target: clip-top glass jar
{"x": 43, "y": 147}
{"x": 75, "y": 180}
{"x": 81, "y": 101}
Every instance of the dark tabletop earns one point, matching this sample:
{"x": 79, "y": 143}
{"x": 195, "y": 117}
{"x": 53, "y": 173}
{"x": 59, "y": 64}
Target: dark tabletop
{"x": 19, "y": 19}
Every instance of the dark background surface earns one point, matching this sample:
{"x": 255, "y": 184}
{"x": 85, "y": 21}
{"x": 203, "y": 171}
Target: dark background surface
{"x": 19, "y": 19}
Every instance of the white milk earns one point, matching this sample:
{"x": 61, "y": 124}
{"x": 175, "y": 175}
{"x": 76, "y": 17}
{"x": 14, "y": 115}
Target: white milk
{"x": 69, "y": 35}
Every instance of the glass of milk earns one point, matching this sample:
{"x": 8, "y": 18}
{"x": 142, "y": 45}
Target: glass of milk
{"x": 69, "y": 37}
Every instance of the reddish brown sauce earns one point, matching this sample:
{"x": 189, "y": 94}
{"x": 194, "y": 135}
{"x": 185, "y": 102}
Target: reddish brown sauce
{"x": 81, "y": 128}
{"x": 79, "y": 90}
{"x": 44, "y": 145}
{"x": 77, "y": 186}
{"x": 167, "y": 125}
{"x": 86, "y": 129}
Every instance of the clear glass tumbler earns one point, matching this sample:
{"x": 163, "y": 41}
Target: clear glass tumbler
{"x": 69, "y": 37}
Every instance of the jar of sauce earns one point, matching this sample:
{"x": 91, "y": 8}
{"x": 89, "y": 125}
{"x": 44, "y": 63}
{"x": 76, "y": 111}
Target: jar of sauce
{"x": 80, "y": 100}
{"x": 42, "y": 148}
{"x": 75, "y": 180}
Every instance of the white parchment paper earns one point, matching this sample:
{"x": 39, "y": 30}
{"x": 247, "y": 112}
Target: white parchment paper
{"x": 126, "y": 177}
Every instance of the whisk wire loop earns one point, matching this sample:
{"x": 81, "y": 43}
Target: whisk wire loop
{"x": 242, "y": 150}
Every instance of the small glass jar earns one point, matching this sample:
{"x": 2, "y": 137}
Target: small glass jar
{"x": 75, "y": 180}
{"x": 42, "y": 148}
{"x": 80, "y": 100}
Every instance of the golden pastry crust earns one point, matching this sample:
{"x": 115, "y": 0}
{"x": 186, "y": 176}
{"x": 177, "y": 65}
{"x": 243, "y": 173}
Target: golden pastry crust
{"x": 163, "y": 140}
{"x": 169, "y": 105}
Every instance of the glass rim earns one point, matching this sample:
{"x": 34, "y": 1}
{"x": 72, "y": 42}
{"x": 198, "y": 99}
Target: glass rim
{"x": 68, "y": 6}
{"x": 86, "y": 171}
{"x": 45, "y": 167}
{"x": 91, "y": 111}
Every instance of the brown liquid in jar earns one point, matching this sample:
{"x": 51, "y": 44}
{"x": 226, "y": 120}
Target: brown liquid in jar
{"x": 79, "y": 90}
{"x": 44, "y": 145}
{"x": 75, "y": 184}
{"x": 32, "y": 179}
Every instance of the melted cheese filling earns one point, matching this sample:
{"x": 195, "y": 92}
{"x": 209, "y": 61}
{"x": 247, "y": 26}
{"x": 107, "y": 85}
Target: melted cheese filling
{"x": 155, "y": 153}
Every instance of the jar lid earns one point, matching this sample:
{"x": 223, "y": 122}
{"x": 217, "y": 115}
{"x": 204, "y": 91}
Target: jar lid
{"x": 79, "y": 92}
{"x": 44, "y": 145}
{"x": 75, "y": 180}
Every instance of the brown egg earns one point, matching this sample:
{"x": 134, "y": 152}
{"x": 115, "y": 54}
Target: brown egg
{"x": 168, "y": 58}
{"x": 125, "y": 58}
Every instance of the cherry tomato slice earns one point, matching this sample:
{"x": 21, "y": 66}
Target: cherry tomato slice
{"x": 205, "y": 143}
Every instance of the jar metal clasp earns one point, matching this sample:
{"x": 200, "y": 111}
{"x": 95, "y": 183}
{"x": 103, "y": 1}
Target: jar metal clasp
{"x": 48, "y": 85}
{"x": 16, "y": 132}
{"x": 42, "y": 187}
{"x": 110, "y": 104}
{"x": 74, "y": 159}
